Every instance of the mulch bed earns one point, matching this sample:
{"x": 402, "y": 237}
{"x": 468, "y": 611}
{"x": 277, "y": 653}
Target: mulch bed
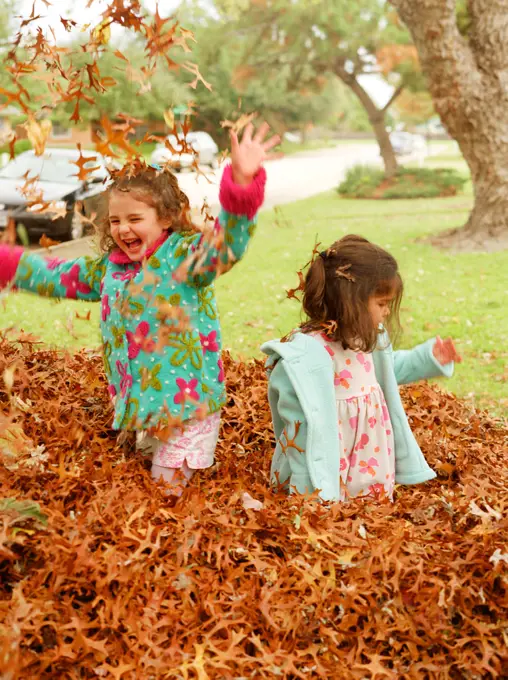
{"x": 103, "y": 576}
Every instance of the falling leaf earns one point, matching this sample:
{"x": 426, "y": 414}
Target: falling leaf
{"x": 82, "y": 162}
{"x": 169, "y": 118}
{"x": 102, "y": 32}
{"x": 46, "y": 242}
{"x": 38, "y": 133}
{"x": 22, "y": 233}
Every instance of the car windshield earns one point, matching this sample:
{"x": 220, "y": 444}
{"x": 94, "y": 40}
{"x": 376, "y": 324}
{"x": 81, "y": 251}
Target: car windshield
{"x": 202, "y": 137}
{"x": 173, "y": 141}
{"x": 59, "y": 169}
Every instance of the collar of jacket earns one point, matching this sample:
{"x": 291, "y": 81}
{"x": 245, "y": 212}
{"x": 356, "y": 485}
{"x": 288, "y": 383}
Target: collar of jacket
{"x": 117, "y": 256}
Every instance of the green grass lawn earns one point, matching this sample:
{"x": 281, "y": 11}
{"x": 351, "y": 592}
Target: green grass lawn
{"x": 462, "y": 295}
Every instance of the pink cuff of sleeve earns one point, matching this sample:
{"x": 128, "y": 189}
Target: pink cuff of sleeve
{"x": 242, "y": 200}
{"x": 9, "y": 260}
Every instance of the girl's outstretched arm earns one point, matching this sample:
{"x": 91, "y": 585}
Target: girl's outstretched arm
{"x": 423, "y": 362}
{"x": 50, "y": 277}
{"x": 206, "y": 256}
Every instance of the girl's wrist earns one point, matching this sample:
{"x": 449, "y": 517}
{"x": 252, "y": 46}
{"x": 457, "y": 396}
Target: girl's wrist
{"x": 242, "y": 199}
{"x": 240, "y": 178}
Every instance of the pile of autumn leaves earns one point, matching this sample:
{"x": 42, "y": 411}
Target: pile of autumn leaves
{"x": 102, "y": 576}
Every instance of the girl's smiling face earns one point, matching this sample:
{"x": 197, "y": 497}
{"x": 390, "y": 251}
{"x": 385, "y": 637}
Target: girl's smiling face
{"x": 135, "y": 225}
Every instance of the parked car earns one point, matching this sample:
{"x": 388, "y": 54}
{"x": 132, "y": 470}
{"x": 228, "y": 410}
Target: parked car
{"x": 204, "y": 147}
{"x": 405, "y": 143}
{"x": 293, "y": 137}
{"x": 58, "y": 182}
{"x": 433, "y": 128}
{"x": 179, "y": 160}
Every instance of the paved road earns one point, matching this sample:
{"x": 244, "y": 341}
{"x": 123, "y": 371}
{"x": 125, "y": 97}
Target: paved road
{"x": 292, "y": 177}
{"x": 289, "y": 179}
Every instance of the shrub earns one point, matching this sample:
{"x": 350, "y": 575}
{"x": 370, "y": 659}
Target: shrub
{"x": 361, "y": 181}
{"x": 364, "y": 181}
{"x": 19, "y": 146}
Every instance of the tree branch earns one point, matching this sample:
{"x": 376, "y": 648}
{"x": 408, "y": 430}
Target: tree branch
{"x": 393, "y": 98}
{"x": 349, "y": 79}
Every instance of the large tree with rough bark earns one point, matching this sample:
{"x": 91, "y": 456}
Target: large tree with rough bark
{"x": 463, "y": 49}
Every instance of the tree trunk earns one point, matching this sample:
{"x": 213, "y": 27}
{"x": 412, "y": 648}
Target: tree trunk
{"x": 467, "y": 80}
{"x": 385, "y": 145}
{"x": 376, "y": 118}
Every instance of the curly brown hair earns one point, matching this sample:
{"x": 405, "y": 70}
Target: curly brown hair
{"x": 337, "y": 289}
{"x": 157, "y": 188}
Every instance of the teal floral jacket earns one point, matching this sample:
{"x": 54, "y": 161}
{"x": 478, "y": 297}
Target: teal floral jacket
{"x": 157, "y": 368}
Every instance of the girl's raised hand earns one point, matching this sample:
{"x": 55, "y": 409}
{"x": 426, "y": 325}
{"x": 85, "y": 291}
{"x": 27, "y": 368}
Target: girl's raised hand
{"x": 248, "y": 155}
{"x": 445, "y": 351}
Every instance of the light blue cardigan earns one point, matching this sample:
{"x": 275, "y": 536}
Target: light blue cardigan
{"x": 301, "y": 391}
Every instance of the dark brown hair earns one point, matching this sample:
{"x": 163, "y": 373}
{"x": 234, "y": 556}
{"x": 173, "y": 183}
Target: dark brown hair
{"x": 338, "y": 286}
{"x": 157, "y": 188}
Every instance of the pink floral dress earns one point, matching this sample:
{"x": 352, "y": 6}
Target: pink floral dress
{"x": 367, "y": 465}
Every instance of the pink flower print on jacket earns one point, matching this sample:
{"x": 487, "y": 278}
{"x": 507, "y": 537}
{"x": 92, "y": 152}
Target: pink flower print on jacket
{"x": 364, "y": 362}
{"x": 53, "y": 262}
{"x": 187, "y": 390}
{"x": 126, "y": 378}
{"x": 139, "y": 340}
{"x": 342, "y": 378}
{"x": 368, "y": 467}
{"x": 128, "y": 274}
{"x": 112, "y": 391}
{"x": 209, "y": 342}
{"x": 72, "y": 284}
{"x": 220, "y": 377}
{"x": 105, "y": 308}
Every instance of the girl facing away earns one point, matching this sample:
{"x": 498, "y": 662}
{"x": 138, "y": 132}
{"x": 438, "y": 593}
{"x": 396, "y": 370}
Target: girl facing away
{"x": 338, "y": 418}
{"x": 160, "y": 330}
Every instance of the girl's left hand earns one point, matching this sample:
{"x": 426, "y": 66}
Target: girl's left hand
{"x": 248, "y": 155}
{"x": 445, "y": 351}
